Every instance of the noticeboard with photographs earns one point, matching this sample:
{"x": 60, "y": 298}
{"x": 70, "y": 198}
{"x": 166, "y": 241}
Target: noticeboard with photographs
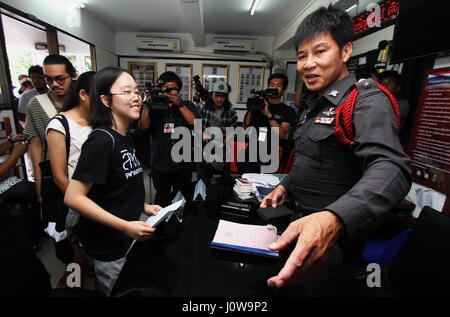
{"x": 249, "y": 77}
{"x": 143, "y": 72}
{"x": 214, "y": 72}
{"x": 185, "y": 73}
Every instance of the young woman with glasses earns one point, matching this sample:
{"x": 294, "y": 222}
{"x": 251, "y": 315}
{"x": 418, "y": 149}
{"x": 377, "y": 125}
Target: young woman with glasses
{"x": 107, "y": 188}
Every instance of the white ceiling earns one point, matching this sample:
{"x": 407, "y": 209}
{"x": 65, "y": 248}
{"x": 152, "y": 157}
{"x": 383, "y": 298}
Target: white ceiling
{"x": 197, "y": 17}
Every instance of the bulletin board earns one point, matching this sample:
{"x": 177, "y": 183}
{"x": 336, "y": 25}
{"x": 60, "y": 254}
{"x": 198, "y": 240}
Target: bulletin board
{"x": 214, "y": 72}
{"x": 185, "y": 73}
{"x": 249, "y": 77}
{"x": 229, "y": 68}
{"x": 430, "y": 137}
{"x": 143, "y": 72}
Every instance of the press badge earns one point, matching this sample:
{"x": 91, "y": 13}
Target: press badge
{"x": 169, "y": 127}
{"x": 262, "y": 134}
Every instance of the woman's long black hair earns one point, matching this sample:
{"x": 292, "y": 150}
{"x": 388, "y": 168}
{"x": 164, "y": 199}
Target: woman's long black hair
{"x": 101, "y": 115}
{"x": 73, "y": 97}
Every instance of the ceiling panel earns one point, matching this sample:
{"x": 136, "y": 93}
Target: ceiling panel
{"x": 233, "y": 17}
{"x": 139, "y": 15}
{"x": 219, "y": 16}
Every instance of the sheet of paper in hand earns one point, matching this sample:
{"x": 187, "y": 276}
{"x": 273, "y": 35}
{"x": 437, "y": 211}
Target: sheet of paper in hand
{"x": 238, "y": 237}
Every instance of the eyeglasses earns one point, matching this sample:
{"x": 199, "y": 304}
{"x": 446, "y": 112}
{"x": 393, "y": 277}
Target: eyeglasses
{"x": 59, "y": 79}
{"x": 129, "y": 95}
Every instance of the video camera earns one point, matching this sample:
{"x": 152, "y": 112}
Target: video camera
{"x": 158, "y": 101}
{"x": 204, "y": 94}
{"x": 258, "y": 102}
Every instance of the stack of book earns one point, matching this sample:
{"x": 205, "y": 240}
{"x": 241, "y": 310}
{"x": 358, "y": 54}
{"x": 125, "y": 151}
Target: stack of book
{"x": 243, "y": 187}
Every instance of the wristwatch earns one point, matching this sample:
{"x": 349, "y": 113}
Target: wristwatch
{"x": 9, "y": 138}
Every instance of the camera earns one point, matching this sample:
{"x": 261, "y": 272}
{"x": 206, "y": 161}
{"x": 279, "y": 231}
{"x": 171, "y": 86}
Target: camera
{"x": 204, "y": 94}
{"x": 258, "y": 102}
{"x": 158, "y": 101}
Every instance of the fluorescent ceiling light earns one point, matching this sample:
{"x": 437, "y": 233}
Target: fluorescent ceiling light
{"x": 254, "y": 6}
{"x": 79, "y": 4}
{"x": 350, "y": 9}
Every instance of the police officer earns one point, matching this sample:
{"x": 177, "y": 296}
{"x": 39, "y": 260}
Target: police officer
{"x": 341, "y": 190}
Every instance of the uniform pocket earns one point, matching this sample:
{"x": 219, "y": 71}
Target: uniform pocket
{"x": 325, "y": 145}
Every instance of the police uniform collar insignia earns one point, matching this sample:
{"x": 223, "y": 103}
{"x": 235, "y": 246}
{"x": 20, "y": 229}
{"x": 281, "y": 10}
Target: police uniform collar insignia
{"x": 330, "y": 112}
{"x": 334, "y": 93}
{"x": 364, "y": 83}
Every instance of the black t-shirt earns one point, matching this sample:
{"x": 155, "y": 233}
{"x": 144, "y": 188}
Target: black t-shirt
{"x": 162, "y": 124}
{"x": 108, "y": 159}
{"x": 282, "y": 113}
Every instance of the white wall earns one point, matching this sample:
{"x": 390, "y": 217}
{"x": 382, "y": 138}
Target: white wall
{"x": 197, "y": 70}
{"x": 126, "y": 44}
{"x": 54, "y": 12}
{"x": 105, "y": 58}
{"x": 89, "y": 28}
{"x": 285, "y": 36}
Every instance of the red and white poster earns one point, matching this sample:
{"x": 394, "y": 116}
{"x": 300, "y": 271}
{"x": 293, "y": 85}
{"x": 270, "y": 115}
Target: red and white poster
{"x": 429, "y": 146}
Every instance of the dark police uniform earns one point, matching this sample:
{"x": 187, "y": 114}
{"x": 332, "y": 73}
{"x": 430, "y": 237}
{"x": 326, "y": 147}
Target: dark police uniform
{"x": 358, "y": 185}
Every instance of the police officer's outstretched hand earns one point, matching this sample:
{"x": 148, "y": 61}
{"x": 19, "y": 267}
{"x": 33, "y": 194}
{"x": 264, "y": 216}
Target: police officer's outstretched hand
{"x": 274, "y": 198}
{"x": 315, "y": 235}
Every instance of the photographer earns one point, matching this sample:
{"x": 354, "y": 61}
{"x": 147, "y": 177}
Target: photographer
{"x": 217, "y": 111}
{"x": 162, "y": 119}
{"x": 279, "y": 114}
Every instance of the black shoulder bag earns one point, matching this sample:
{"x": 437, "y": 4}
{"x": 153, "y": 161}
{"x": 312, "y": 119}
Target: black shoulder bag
{"x": 53, "y": 208}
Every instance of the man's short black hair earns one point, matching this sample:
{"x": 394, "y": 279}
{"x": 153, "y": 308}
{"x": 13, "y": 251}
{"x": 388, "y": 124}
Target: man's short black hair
{"x": 170, "y": 76}
{"x": 56, "y": 59}
{"x": 36, "y": 69}
{"x": 279, "y": 75}
{"x": 390, "y": 74}
{"x": 324, "y": 20}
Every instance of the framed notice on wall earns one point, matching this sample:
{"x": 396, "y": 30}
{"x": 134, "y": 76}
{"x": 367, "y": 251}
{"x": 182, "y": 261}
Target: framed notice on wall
{"x": 249, "y": 77}
{"x": 429, "y": 146}
{"x": 185, "y": 73}
{"x": 212, "y": 73}
{"x": 143, "y": 72}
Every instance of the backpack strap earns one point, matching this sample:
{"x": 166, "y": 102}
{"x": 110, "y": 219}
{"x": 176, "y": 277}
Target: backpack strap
{"x": 47, "y": 105}
{"x": 343, "y": 130}
{"x": 63, "y": 120}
